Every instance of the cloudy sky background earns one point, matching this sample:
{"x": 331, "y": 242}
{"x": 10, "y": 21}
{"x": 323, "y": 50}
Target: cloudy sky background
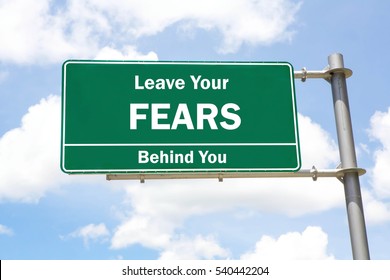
{"x": 45, "y": 214}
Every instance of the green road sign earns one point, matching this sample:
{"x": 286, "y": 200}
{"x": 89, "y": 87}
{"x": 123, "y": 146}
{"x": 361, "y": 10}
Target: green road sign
{"x": 147, "y": 117}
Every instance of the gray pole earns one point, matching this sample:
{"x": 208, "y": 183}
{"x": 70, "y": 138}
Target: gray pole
{"x": 357, "y": 226}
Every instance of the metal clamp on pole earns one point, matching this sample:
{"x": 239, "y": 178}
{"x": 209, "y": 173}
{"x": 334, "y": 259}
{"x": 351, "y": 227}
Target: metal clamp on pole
{"x": 326, "y": 73}
{"x": 314, "y": 171}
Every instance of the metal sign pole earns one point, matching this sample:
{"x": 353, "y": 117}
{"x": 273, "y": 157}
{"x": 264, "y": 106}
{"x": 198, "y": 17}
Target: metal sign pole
{"x": 350, "y": 180}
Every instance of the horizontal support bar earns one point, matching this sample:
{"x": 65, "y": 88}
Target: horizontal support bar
{"x": 320, "y": 74}
{"x": 311, "y": 74}
{"x": 310, "y": 173}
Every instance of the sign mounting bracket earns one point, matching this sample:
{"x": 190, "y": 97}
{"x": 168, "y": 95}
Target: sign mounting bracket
{"x": 313, "y": 173}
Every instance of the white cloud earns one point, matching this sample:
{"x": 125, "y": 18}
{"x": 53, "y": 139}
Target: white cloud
{"x": 312, "y": 136}
{"x": 128, "y": 53}
{"x": 6, "y": 230}
{"x": 380, "y": 131}
{"x": 311, "y": 244}
{"x": 144, "y": 230}
{"x": 30, "y": 33}
{"x": 239, "y": 21}
{"x": 200, "y": 247}
{"x": 47, "y": 31}
{"x": 29, "y": 154}
{"x": 91, "y": 232}
{"x": 375, "y": 211}
{"x": 159, "y": 208}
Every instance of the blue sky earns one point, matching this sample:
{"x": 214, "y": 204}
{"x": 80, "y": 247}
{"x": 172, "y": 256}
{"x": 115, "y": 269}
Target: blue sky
{"x": 45, "y": 214}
